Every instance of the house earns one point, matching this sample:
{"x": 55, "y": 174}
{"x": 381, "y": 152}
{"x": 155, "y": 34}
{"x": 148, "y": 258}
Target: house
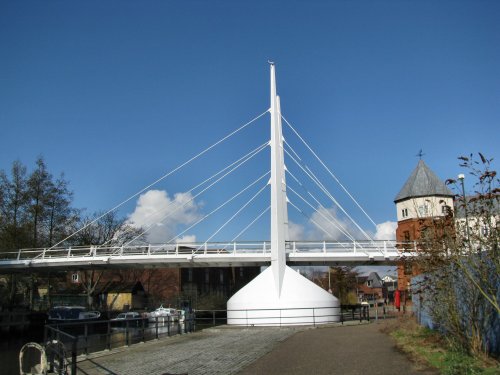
{"x": 481, "y": 217}
{"x": 120, "y": 296}
{"x": 390, "y": 286}
{"x": 370, "y": 288}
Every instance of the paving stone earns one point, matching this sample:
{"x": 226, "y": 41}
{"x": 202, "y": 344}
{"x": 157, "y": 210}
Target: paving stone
{"x": 212, "y": 351}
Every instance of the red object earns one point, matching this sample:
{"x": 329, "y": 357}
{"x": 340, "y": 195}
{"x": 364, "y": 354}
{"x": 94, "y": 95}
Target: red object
{"x": 397, "y": 299}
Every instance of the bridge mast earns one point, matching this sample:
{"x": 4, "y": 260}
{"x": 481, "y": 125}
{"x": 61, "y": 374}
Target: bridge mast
{"x": 279, "y": 214}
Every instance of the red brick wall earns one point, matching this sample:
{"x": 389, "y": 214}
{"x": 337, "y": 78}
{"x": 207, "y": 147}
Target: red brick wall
{"x": 407, "y": 230}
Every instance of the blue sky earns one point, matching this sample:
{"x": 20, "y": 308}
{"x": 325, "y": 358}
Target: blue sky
{"x": 117, "y": 93}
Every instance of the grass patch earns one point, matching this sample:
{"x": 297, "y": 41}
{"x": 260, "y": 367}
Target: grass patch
{"x": 429, "y": 349}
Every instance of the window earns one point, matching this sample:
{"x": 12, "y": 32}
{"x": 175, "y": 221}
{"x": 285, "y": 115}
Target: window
{"x": 404, "y": 212}
{"x": 423, "y": 210}
{"x": 74, "y": 278}
{"x": 406, "y": 236}
{"x": 445, "y": 210}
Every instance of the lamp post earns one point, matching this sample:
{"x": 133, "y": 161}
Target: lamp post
{"x": 461, "y": 177}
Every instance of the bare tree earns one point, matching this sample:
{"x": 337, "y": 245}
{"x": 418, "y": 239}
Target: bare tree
{"x": 101, "y": 230}
{"x": 460, "y": 261}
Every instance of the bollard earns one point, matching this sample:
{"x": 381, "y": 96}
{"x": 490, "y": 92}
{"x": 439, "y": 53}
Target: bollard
{"x": 86, "y": 336}
{"x": 108, "y": 336}
{"x": 126, "y": 333}
{"x": 143, "y": 329}
{"x": 73, "y": 358}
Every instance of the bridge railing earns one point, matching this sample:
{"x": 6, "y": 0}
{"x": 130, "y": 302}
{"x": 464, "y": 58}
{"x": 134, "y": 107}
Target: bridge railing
{"x": 369, "y": 248}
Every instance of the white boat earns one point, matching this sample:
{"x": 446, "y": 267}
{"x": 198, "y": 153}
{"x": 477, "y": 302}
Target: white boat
{"x": 63, "y": 314}
{"x": 132, "y": 318}
{"x": 163, "y": 314}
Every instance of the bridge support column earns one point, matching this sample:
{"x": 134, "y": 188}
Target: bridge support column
{"x": 280, "y": 295}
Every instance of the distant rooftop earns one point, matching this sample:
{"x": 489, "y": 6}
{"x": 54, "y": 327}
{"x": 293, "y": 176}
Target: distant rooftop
{"x": 422, "y": 183}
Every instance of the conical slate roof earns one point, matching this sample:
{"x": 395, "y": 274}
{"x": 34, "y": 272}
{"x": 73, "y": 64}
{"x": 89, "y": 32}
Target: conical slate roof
{"x": 422, "y": 183}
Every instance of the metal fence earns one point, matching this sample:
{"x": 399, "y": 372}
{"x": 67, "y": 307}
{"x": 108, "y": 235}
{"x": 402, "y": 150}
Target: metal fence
{"x": 66, "y": 341}
{"x": 93, "y": 336}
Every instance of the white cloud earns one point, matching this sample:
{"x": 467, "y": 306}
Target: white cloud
{"x": 296, "y": 232}
{"x": 186, "y": 239}
{"x": 329, "y": 226}
{"x": 334, "y": 226}
{"x": 386, "y": 231}
{"x": 163, "y": 214}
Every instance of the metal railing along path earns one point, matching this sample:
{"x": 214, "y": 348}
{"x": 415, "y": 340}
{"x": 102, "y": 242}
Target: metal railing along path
{"x": 78, "y": 340}
{"x": 214, "y": 254}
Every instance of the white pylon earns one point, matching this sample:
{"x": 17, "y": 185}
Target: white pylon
{"x": 294, "y": 300}
{"x": 279, "y": 215}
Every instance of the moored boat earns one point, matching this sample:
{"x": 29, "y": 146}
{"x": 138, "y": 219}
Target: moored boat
{"x": 70, "y": 314}
{"x": 163, "y": 314}
{"x": 133, "y": 318}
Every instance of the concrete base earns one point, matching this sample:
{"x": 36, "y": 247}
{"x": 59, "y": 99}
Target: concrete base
{"x": 301, "y": 302}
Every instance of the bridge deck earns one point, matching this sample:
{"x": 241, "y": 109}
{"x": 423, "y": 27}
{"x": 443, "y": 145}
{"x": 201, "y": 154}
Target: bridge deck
{"x": 202, "y": 255}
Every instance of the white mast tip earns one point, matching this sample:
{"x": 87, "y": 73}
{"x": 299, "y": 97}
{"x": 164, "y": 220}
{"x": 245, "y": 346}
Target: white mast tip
{"x": 270, "y": 62}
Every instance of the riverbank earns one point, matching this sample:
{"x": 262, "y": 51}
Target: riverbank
{"x": 352, "y": 348}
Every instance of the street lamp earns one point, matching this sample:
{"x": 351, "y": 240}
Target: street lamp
{"x": 461, "y": 177}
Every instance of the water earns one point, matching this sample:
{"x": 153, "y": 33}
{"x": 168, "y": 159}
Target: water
{"x": 10, "y": 346}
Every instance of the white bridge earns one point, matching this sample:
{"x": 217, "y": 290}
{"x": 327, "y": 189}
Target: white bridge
{"x": 210, "y": 254}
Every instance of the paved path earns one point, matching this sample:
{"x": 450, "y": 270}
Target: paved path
{"x": 358, "y": 349}
{"x": 348, "y": 350}
{"x": 212, "y": 351}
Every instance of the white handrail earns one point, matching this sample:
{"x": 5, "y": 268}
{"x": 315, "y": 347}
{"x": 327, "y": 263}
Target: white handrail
{"x": 327, "y": 248}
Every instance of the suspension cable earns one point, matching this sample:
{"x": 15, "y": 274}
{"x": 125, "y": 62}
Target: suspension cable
{"x": 251, "y": 223}
{"x": 324, "y": 230}
{"x": 233, "y": 216}
{"x": 309, "y": 193}
{"x": 311, "y": 219}
{"x": 329, "y": 171}
{"x": 219, "y": 207}
{"x": 249, "y": 155}
{"x": 162, "y": 178}
{"x": 338, "y": 226}
{"x": 246, "y": 157}
{"x": 331, "y": 219}
{"x": 313, "y": 177}
{"x": 168, "y": 214}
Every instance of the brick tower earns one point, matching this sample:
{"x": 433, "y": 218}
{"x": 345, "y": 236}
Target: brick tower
{"x": 423, "y": 196}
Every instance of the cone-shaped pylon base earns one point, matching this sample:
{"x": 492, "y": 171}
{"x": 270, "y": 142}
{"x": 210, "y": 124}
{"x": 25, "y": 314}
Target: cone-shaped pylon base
{"x": 301, "y": 302}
